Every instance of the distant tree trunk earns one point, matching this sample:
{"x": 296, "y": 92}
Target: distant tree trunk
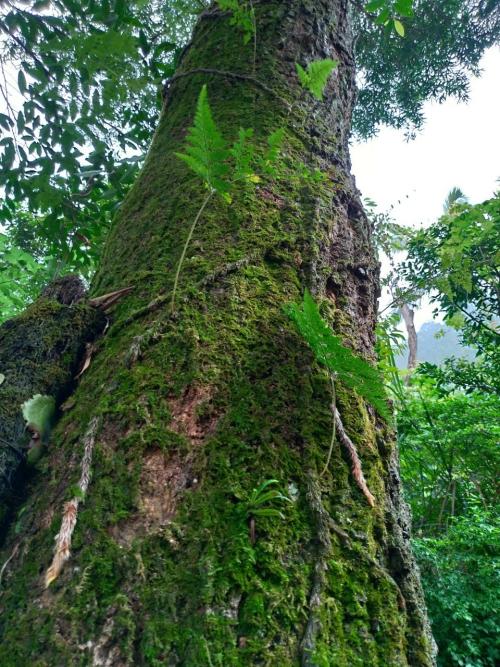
{"x": 180, "y": 417}
{"x": 408, "y": 315}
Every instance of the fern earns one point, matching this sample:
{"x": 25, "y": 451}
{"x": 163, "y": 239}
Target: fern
{"x": 243, "y": 154}
{"x": 350, "y": 369}
{"x": 262, "y": 496}
{"x": 242, "y": 16}
{"x": 206, "y": 150}
{"x": 316, "y": 75}
{"x": 274, "y": 143}
{"x": 219, "y": 166}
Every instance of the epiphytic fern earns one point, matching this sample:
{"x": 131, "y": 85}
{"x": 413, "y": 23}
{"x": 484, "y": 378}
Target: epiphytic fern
{"x": 349, "y": 368}
{"x": 206, "y": 150}
{"x": 220, "y": 166}
{"x": 316, "y": 75}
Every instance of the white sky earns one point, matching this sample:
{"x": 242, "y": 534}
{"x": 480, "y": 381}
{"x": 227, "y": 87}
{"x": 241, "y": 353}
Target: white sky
{"x": 458, "y": 146}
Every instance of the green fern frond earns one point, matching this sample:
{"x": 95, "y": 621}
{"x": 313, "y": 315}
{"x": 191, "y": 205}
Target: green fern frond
{"x": 350, "y": 369}
{"x": 315, "y": 77}
{"x": 243, "y": 153}
{"x": 206, "y": 150}
{"x": 274, "y": 145}
{"x": 242, "y": 16}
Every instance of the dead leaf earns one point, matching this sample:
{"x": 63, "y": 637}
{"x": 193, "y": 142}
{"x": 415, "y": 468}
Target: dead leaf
{"x": 67, "y": 405}
{"x": 89, "y": 351}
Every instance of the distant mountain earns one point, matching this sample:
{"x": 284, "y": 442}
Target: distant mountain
{"x": 436, "y": 342}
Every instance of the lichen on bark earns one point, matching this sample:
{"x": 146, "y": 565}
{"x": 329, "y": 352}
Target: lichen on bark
{"x": 198, "y": 409}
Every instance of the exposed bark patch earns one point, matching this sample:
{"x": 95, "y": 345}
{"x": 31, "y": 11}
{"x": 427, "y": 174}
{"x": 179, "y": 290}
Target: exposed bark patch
{"x": 271, "y": 197}
{"x": 162, "y": 482}
{"x": 187, "y": 416}
{"x": 165, "y": 477}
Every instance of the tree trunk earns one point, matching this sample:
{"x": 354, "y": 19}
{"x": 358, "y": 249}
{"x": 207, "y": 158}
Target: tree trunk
{"x": 180, "y": 417}
{"x": 408, "y": 315}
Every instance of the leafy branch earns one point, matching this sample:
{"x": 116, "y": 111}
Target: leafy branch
{"x": 388, "y": 13}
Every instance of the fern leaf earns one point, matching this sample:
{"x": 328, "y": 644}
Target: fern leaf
{"x": 274, "y": 143}
{"x": 242, "y": 153}
{"x": 351, "y": 370}
{"x": 315, "y": 77}
{"x": 206, "y": 150}
{"x": 303, "y": 75}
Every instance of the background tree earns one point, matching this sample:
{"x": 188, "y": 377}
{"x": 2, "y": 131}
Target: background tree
{"x": 448, "y": 432}
{"x": 456, "y": 262}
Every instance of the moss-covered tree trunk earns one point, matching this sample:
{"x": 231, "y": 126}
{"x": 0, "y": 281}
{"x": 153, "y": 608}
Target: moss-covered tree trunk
{"x": 181, "y": 416}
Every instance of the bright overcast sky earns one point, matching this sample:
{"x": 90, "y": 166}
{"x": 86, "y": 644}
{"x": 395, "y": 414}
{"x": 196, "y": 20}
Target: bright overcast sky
{"x": 458, "y": 146}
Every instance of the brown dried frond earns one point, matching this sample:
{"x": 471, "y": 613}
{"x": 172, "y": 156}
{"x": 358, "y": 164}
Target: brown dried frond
{"x": 355, "y": 460}
{"x": 62, "y": 548}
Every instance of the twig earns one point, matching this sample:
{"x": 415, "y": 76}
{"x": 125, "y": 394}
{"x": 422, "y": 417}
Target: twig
{"x": 26, "y": 49}
{"x": 105, "y": 301}
{"x": 230, "y": 75}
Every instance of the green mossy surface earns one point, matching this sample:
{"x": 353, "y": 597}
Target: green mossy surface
{"x": 39, "y": 354}
{"x": 192, "y": 589}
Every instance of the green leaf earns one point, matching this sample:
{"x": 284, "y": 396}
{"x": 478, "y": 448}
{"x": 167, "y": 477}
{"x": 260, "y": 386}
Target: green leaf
{"x": 383, "y": 17}
{"x": 5, "y": 121}
{"x": 314, "y": 79}
{"x": 399, "y": 28}
{"x": 164, "y": 47}
{"x": 404, "y": 7}
{"x": 374, "y": 5}
{"x": 21, "y": 82}
{"x": 242, "y": 153}
{"x": 206, "y": 150}
{"x": 41, "y": 4}
{"x": 352, "y": 370}
{"x": 302, "y": 74}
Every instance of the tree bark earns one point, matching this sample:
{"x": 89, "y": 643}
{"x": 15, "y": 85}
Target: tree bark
{"x": 39, "y": 354}
{"x": 180, "y": 417}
